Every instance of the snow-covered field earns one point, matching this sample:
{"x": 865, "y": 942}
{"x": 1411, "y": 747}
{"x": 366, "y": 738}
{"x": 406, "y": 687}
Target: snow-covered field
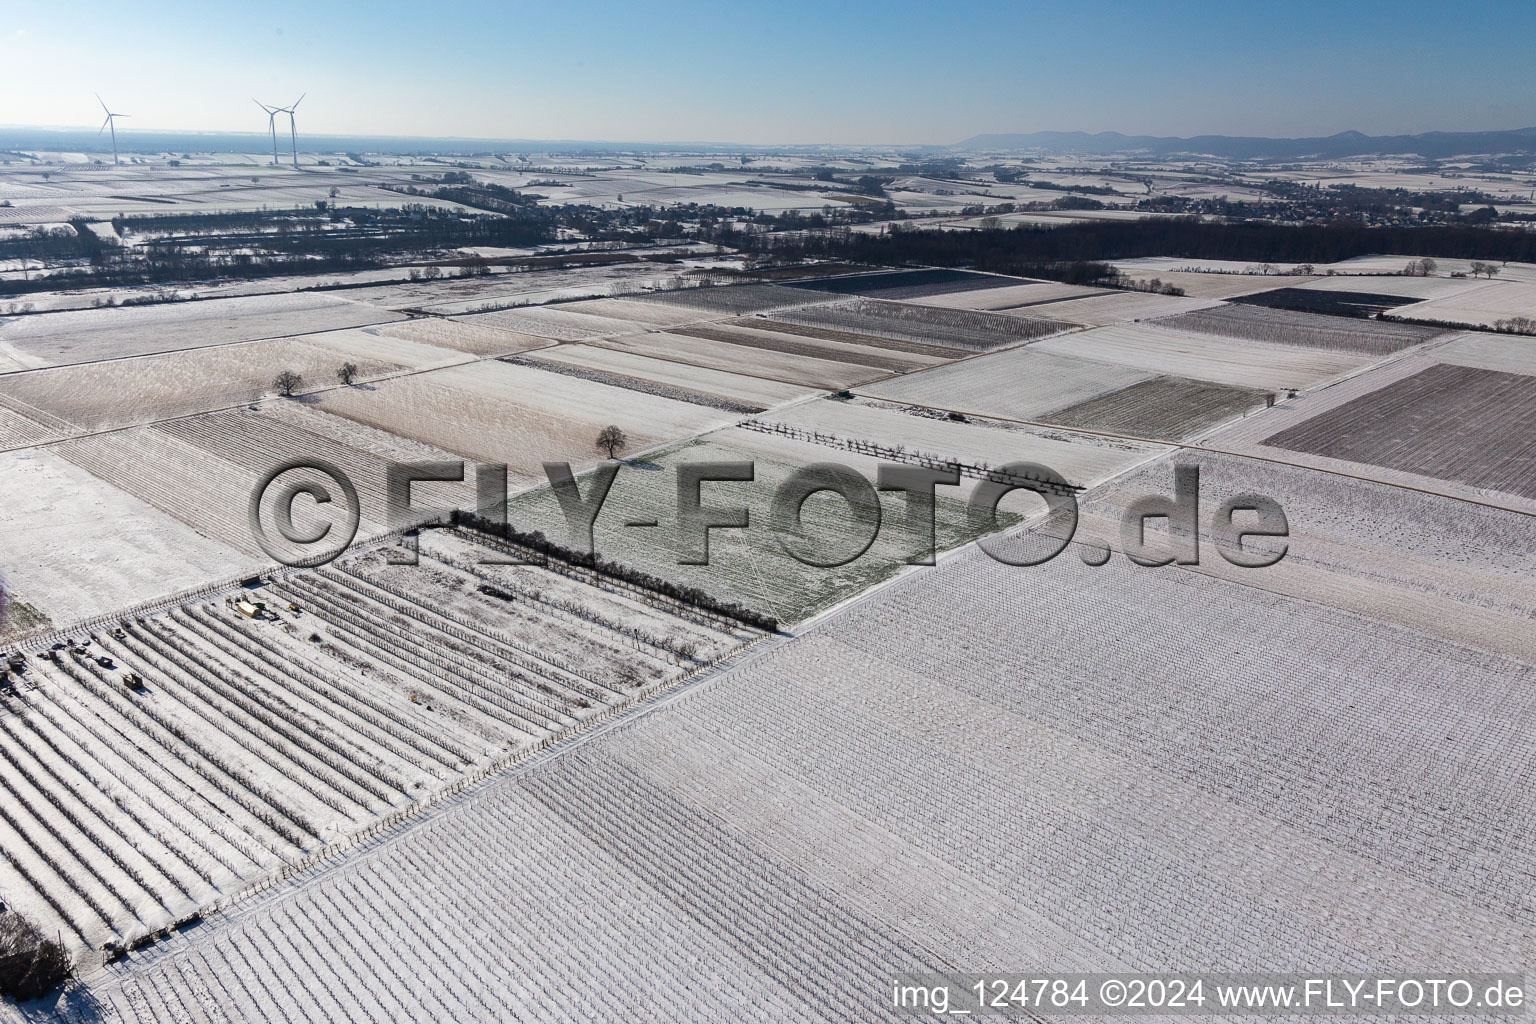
{"x": 1083, "y": 460}
{"x": 735, "y": 386}
{"x": 1412, "y": 289}
{"x": 477, "y": 339}
{"x": 1478, "y": 306}
{"x": 563, "y": 322}
{"x": 378, "y": 800}
{"x": 82, "y": 336}
{"x": 1009, "y": 296}
{"x": 255, "y": 744}
{"x": 201, "y": 380}
{"x": 1393, "y": 264}
{"x": 76, "y": 546}
{"x": 848, "y": 804}
{"x": 964, "y": 330}
{"x": 1429, "y": 563}
{"x": 1019, "y": 383}
{"x": 751, "y": 565}
{"x": 1116, "y": 307}
{"x": 1365, "y": 338}
{"x": 497, "y": 412}
{"x": 1220, "y": 285}
{"x": 1157, "y": 349}
{"x": 774, "y": 365}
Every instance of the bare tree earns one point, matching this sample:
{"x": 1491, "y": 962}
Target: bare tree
{"x": 610, "y": 439}
{"x": 1428, "y": 266}
{"x": 30, "y": 964}
{"x": 287, "y": 382}
{"x": 348, "y": 373}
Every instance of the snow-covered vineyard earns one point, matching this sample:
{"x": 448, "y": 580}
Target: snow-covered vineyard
{"x": 466, "y": 791}
{"x": 851, "y": 802}
{"x": 163, "y": 765}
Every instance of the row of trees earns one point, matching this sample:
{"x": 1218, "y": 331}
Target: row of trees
{"x": 542, "y": 545}
{"x": 1020, "y": 249}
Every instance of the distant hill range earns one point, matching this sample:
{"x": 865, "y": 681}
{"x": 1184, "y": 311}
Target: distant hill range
{"x": 1344, "y": 144}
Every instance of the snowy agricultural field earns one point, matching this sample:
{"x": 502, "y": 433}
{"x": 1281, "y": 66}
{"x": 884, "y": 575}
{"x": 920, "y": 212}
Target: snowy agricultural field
{"x": 1157, "y": 349}
{"x": 1156, "y": 266}
{"x": 497, "y": 412}
{"x": 752, "y": 360}
{"x": 774, "y": 779}
{"x": 820, "y": 343}
{"x": 78, "y": 546}
{"x": 1393, "y": 264}
{"x": 560, "y": 322}
{"x": 202, "y": 470}
{"x": 1429, "y": 563}
{"x": 449, "y": 295}
{"x": 82, "y": 336}
{"x": 1163, "y": 408}
{"x": 22, "y": 426}
{"x": 1018, "y": 383}
{"x": 964, "y": 330}
{"x": 369, "y": 690}
{"x": 1251, "y": 437}
{"x": 1452, "y": 422}
{"x": 476, "y": 339}
{"x": 1220, "y": 286}
{"x": 1303, "y": 330}
{"x": 1084, "y": 460}
{"x": 1116, "y": 307}
{"x": 751, "y": 566}
{"x": 1412, "y": 289}
{"x": 92, "y": 298}
{"x": 1490, "y": 351}
{"x": 1478, "y": 307}
{"x": 88, "y": 395}
{"x": 907, "y": 284}
{"x": 734, "y": 387}
{"x": 648, "y": 314}
{"x": 1011, "y": 296}
{"x": 714, "y": 302}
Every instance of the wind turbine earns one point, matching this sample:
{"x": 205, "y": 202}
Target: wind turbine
{"x": 109, "y": 123}
{"x": 292, "y": 132}
{"x": 271, "y": 125}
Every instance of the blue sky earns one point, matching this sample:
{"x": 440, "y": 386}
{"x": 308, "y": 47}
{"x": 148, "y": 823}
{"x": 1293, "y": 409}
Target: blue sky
{"x": 777, "y": 72}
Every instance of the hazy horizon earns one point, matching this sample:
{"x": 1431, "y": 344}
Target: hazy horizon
{"x": 124, "y": 132}
{"x": 857, "y": 74}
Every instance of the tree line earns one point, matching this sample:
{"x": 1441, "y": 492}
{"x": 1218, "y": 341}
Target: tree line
{"x": 1022, "y": 250}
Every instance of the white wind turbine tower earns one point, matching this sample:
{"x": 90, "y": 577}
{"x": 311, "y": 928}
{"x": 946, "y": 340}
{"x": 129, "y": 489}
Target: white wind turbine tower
{"x": 293, "y": 132}
{"x": 109, "y": 123}
{"x": 272, "y": 113}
